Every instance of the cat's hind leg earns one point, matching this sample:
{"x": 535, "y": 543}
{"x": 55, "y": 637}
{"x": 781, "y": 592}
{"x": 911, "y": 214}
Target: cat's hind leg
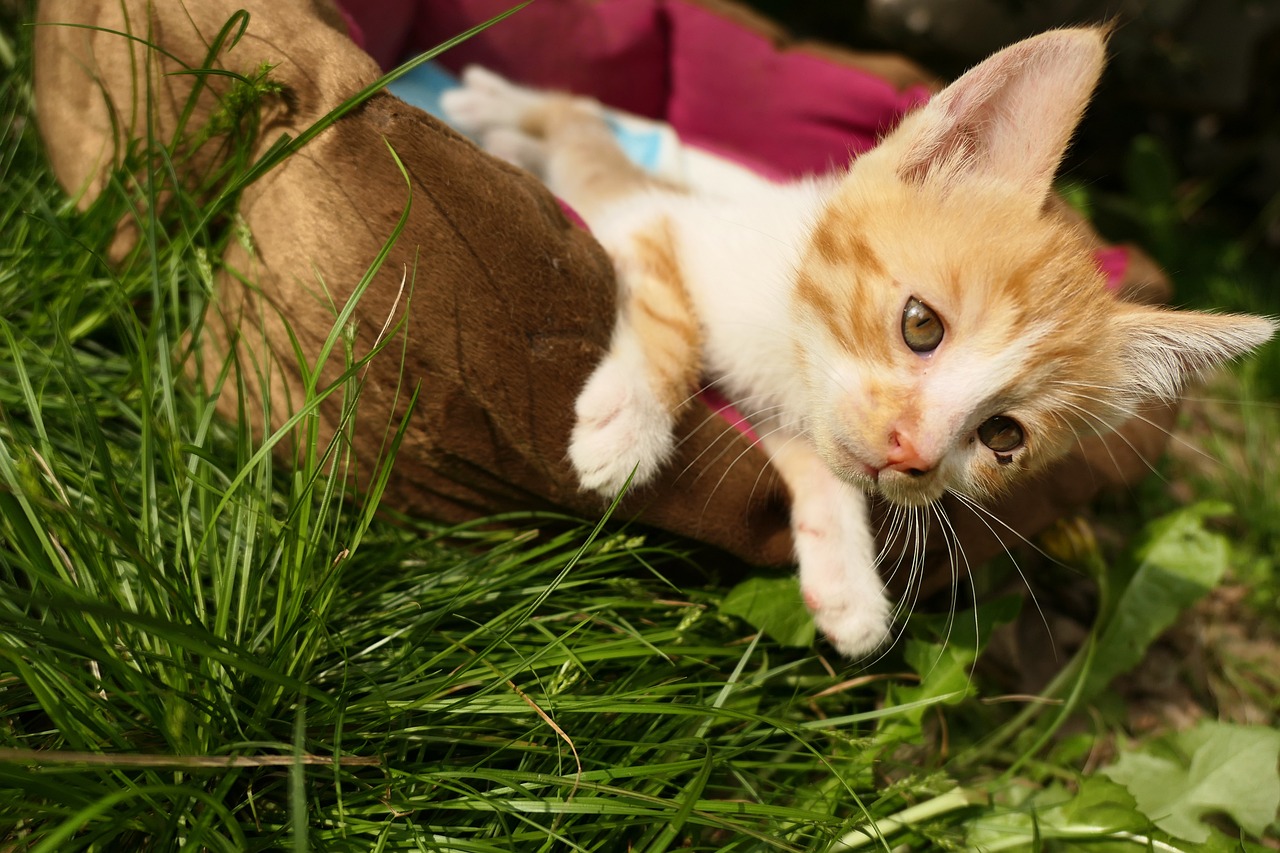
{"x": 564, "y": 139}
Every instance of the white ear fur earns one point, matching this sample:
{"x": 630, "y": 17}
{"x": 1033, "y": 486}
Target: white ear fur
{"x": 1008, "y": 118}
{"x": 1162, "y": 349}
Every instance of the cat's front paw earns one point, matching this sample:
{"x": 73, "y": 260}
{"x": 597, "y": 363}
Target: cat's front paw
{"x": 621, "y": 427}
{"x": 856, "y": 627}
{"x": 486, "y": 101}
{"x": 837, "y": 555}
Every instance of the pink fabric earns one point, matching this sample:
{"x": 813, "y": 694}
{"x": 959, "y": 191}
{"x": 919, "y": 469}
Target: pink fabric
{"x": 724, "y": 88}
{"x": 572, "y": 215}
{"x": 382, "y": 27}
{"x": 615, "y": 50}
{"x": 733, "y": 90}
{"x": 354, "y": 30}
{"x": 720, "y": 404}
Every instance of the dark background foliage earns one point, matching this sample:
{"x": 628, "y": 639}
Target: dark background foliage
{"x": 1198, "y": 76}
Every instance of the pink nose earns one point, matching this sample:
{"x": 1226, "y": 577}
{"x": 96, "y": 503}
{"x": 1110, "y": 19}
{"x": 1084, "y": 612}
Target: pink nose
{"x": 904, "y": 457}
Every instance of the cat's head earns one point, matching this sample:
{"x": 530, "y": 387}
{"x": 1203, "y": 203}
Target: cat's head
{"x": 955, "y": 333}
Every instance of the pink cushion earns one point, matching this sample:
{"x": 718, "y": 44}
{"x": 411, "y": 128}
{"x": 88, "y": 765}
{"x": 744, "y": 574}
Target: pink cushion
{"x": 615, "y": 50}
{"x": 734, "y": 91}
{"x": 724, "y": 87}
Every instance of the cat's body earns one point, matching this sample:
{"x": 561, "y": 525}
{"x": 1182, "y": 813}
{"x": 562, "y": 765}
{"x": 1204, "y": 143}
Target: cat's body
{"x": 918, "y": 325}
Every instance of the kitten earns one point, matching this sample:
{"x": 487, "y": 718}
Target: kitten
{"x": 916, "y": 325}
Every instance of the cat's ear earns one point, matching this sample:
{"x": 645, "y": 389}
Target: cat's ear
{"x": 1161, "y": 349}
{"x": 1008, "y": 118}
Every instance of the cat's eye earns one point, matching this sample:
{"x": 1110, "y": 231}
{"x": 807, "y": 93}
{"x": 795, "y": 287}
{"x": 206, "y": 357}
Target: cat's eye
{"x": 1001, "y": 434}
{"x": 921, "y": 328}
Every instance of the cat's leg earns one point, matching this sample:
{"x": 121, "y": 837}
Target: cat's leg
{"x": 564, "y": 139}
{"x": 626, "y": 412}
{"x": 835, "y": 548}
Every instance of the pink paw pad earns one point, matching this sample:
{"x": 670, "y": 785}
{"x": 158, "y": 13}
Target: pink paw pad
{"x": 811, "y": 599}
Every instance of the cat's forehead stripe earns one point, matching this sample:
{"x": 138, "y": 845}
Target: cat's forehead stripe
{"x": 819, "y": 301}
{"x": 838, "y": 240}
{"x": 853, "y": 321}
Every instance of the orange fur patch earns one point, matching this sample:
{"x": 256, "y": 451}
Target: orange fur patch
{"x": 820, "y": 303}
{"x": 839, "y": 240}
{"x": 585, "y": 167}
{"x": 662, "y": 314}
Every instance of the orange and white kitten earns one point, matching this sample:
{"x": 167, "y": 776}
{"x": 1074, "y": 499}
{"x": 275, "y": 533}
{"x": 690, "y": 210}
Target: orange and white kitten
{"x": 916, "y": 325}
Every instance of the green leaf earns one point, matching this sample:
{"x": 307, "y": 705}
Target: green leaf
{"x": 944, "y": 665}
{"x": 1099, "y": 810}
{"x": 1178, "y": 562}
{"x": 1103, "y": 803}
{"x": 773, "y": 605}
{"x": 1216, "y": 767}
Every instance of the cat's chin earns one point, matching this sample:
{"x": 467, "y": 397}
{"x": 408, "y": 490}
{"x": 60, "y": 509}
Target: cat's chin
{"x": 906, "y": 491}
{"x": 894, "y": 486}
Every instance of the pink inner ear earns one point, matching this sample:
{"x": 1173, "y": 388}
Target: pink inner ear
{"x": 1113, "y": 262}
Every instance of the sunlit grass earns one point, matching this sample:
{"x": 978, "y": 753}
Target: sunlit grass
{"x": 203, "y": 648}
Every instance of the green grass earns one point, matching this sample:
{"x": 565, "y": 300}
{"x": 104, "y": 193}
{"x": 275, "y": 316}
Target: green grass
{"x": 204, "y": 649}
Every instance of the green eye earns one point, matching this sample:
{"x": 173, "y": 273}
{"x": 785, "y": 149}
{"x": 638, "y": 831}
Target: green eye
{"x": 1001, "y": 434}
{"x": 921, "y": 328}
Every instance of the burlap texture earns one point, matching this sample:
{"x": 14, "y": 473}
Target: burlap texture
{"x": 506, "y": 305}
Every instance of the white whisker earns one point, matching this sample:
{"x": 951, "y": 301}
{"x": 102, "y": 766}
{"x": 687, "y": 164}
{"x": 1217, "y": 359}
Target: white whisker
{"x": 979, "y": 512}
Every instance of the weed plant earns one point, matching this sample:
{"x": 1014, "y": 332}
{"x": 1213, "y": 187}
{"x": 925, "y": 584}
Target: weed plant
{"x": 204, "y": 649}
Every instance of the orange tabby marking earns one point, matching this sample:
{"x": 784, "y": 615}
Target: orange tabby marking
{"x": 662, "y": 313}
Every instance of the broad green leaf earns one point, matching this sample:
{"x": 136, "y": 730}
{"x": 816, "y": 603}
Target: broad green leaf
{"x": 1100, "y": 817}
{"x": 1098, "y": 810}
{"x": 1215, "y": 767}
{"x": 1178, "y": 562}
{"x": 1103, "y": 803}
{"x": 944, "y": 666}
{"x": 773, "y": 605}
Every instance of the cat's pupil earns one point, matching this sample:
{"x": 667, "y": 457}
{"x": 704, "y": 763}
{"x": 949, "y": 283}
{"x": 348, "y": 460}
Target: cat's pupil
{"x": 1001, "y": 434}
{"x": 921, "y": 328}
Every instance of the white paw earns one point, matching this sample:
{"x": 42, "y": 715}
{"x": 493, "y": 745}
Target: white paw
{"x": 621, "y": 427}
{"x": 837, "y": 556}
{"x": 518, "y": 148}
{"x": 485, "y": 101}
{"x": 855, "y": 626}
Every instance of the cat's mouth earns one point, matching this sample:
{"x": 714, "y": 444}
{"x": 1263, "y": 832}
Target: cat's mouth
{"x": 909, "y": 489}
{"x": 905, "y": 488}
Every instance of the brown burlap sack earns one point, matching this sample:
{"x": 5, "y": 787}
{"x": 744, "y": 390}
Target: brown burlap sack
{"x": 506, "y": 305}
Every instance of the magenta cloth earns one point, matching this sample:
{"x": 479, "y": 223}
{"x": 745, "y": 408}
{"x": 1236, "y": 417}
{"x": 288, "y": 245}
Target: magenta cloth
{"x": 722, "y": 86}
{"x": 615, "y": 51}
{"x": 572, "y": 215}
{"x": 382, "y": 28}
{"x": 734, "y": 92}
{"x": 720, "y": 404}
